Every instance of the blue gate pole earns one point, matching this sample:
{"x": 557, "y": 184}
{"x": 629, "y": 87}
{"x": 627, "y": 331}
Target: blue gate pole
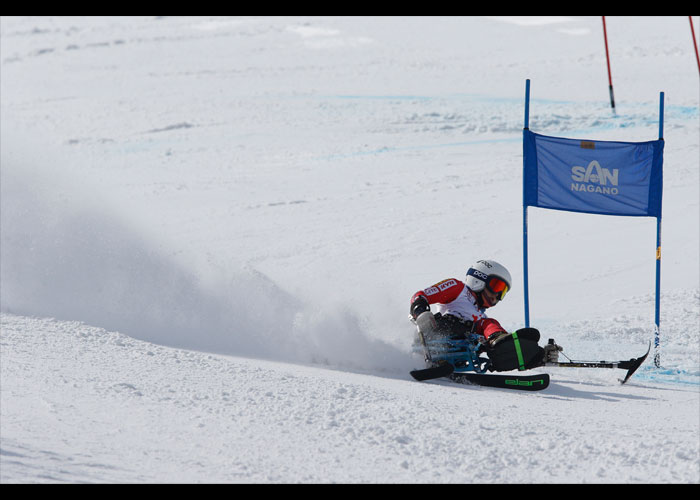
{"x": 657, "y": 301}
{"x": 525, "y": 279}
{"x": 661, "y": 115}
{"x": 527, "y": 104}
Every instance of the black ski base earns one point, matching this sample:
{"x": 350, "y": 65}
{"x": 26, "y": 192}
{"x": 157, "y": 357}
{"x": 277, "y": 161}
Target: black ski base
{"x": 439, "y": 371}
{"x": 516, "y": 382}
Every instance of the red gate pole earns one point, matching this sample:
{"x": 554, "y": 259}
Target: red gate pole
{"x": 695, "y": 44}
{"x": 607, "y": 57}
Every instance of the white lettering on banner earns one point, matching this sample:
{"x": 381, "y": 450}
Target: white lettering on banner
{"x": 594, "y": 179}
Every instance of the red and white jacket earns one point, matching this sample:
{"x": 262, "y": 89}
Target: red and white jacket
{"x": 453, "y": 297}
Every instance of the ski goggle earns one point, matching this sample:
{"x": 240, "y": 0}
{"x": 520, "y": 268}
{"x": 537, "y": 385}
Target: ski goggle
{"x": 497, "y": 285}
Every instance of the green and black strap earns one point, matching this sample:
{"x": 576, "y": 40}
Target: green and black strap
{"x": 518, "y": 351}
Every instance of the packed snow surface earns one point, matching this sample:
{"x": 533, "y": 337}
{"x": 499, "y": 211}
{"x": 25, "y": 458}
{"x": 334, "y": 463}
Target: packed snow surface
{"x": 211, "y": 229}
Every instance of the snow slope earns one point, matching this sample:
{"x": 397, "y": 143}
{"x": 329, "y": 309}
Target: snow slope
{"x": 211, "y": 228}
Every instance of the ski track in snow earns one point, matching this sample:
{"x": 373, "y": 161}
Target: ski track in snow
{"x": 206, "y": 261}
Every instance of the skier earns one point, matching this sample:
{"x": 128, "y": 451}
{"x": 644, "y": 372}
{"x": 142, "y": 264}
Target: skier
{"x": 460, "y": 314}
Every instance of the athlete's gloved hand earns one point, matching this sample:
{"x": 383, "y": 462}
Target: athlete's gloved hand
{"x": 419, "y": 306}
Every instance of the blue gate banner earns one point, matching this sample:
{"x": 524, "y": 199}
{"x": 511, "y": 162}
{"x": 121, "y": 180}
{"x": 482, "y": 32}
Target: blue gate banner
{"x": 598, "y": 177}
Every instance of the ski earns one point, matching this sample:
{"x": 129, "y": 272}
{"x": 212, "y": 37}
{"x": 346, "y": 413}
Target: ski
{"x": 439, "y": 371}
{"x": 517, "y": 382}
{"x": 630, "y": 365}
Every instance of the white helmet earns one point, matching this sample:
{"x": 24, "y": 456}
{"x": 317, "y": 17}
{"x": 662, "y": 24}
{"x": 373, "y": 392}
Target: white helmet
{"x": 491, "y": 274}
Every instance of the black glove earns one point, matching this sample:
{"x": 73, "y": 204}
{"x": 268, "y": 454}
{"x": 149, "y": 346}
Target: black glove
{"x": 420, "y": 305}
